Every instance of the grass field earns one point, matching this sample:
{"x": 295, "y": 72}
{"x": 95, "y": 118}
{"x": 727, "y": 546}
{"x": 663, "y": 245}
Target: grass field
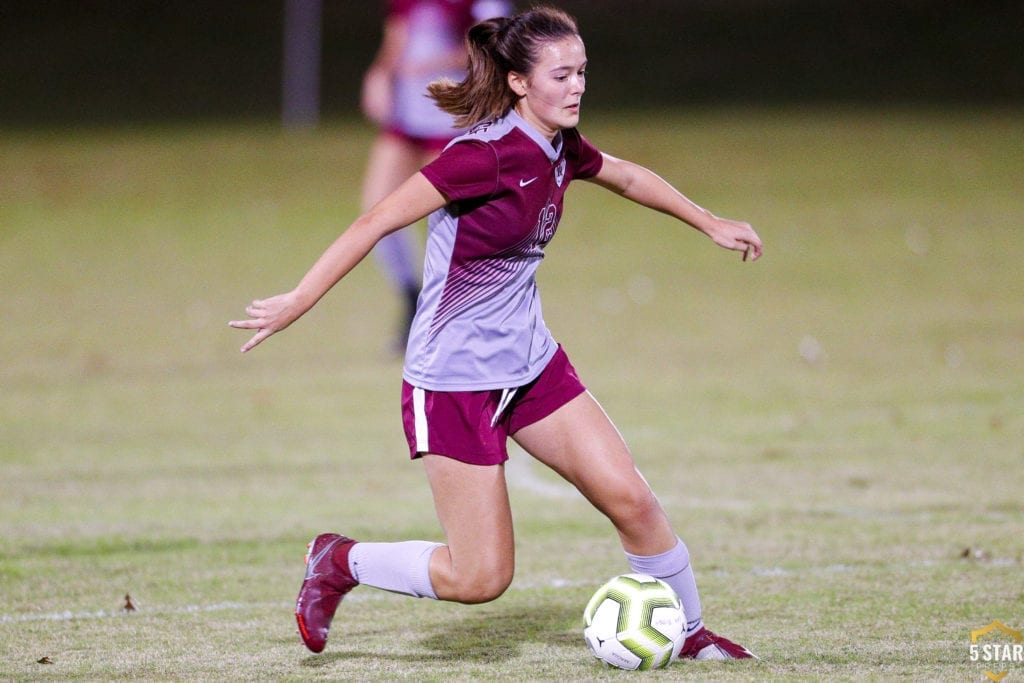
{"x": 838, "y": 429}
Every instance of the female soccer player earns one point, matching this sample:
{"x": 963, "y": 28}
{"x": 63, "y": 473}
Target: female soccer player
{"x": 481, "y": 365}
{"x": 424, "y": 40}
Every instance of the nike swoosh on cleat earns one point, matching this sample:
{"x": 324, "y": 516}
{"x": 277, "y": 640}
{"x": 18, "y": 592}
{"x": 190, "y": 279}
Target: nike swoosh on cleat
{"x": 315, "y": 560}
{"x": 524, "y": 183}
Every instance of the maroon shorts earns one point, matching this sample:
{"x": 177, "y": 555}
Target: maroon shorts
{"x": 474, "y": 426}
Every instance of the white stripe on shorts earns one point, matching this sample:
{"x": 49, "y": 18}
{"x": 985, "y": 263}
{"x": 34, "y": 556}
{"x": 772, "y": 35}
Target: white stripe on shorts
{"x": 506, "y": 397}
{"x": 420, "y": 420}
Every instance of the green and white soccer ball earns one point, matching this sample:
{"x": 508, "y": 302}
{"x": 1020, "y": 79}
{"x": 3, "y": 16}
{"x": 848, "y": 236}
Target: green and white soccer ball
{"x": 635, "y": 621}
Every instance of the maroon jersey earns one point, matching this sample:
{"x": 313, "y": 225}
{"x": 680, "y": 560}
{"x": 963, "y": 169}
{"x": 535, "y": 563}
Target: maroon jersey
{"x": 479, "y": 324}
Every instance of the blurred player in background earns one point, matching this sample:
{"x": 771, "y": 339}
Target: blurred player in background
{"x": 423, "y": 40}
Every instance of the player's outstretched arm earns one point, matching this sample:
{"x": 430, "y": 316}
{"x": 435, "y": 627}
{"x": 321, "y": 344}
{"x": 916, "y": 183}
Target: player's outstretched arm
{"x": 648, "y": 189}
{"x": 412, "y": 201}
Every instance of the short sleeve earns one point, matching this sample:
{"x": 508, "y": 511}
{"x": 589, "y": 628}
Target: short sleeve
{"x": 588, "y": 159}
{"x": 465, "y": 170}
{"x": 398, "y": 8}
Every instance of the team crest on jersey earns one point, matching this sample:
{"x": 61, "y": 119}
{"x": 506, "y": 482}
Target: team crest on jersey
{"x": 560, "y": 172}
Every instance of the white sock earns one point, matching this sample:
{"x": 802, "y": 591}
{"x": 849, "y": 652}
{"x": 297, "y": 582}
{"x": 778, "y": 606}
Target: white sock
{"x": 673, "y": 567}
{"x": 398, "y": 567}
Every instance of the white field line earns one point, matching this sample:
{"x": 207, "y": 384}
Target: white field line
{"x": 142, "y": 611}
{"x": 369, "y": 595}
{"x": 122, "y": 614}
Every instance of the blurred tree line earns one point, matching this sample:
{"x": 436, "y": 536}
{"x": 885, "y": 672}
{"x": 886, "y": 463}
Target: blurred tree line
{"x": 99, "y": 61}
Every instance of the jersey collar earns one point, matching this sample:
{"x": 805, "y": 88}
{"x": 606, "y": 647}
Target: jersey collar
{"x": 552, "y": 149}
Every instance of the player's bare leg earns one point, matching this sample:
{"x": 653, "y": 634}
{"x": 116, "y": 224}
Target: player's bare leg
{"x": 580, "y": 442}
{"x": 478, "y": 560}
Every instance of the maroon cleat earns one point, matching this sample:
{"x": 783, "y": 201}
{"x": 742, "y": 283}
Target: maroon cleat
{"x": 706, "y": 645}
{"x": 327, "y": 581}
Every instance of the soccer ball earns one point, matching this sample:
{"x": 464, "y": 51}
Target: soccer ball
{"x": 635, "y": 621}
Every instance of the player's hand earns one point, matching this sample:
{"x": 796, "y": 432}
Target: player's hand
{"x": 738, "y": 236}
{"x": 268, "y": 316}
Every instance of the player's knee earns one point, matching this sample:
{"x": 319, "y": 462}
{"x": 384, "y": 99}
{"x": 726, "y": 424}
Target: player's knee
{"x": 484, "y": 584}
{"x": 635, "y": 505}
{"x": 482, "y": 592}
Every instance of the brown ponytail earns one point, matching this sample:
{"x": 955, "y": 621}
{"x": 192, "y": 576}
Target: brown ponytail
{"x": 497, "y": 47}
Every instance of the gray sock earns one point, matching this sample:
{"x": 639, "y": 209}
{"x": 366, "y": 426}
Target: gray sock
{"x": 673, "y": 567}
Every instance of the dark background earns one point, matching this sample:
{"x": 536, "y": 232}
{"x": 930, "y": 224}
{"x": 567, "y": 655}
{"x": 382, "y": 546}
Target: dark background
{"x": 95, "y": 61}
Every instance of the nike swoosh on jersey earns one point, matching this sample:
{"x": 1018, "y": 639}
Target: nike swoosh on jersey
{"x": 524, "y": 183}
